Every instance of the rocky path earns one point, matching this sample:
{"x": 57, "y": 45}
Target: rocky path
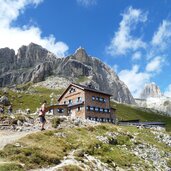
{"x": 7, "y": 137}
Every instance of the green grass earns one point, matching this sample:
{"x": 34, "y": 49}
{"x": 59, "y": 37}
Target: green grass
{"x": 55, "y": 122}
{"x": 24, "y": 87}
{"x": 44, "y": 149}
{"x": 169, "y": 163}
{"x": 11, "y": 167}
{"x": 126, "y": 112}
{"x": 24, "y": 100}
{"x": 43, "y": 90}
{"x": 144, "y": 135}
{"x": 82, "y": 79}
{"x": 37, "y": 150}
{"x": 70, "y": 168}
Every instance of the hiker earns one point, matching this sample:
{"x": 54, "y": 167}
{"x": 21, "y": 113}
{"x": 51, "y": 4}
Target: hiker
{"x": 10, "y": 109}
{"x": 42, "y": 112}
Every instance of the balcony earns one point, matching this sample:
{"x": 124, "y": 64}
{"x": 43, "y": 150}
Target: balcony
{"x": 76, "y": 104}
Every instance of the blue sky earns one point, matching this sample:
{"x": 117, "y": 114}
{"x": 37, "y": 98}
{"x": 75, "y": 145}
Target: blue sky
{"x": 133, "y": 37}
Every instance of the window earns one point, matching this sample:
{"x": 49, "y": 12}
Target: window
{"x": 96, "y": 109}
{"x": 93, "y": 98}
{"x": 60, "y": 110}
{"x": 106, "y": 110}
{"x": 101, "y": 109}
{"x": 88, "y": 117}
{"x": 70, "y": 111}
{"x": 101, "y": 99}
{"x": 72, "y": 90}
{"x": 70, "y": 101}
{"x": 79, "y": 99}
{"x": 91, "y": 108}
{"x": 78, "y": 108}
{"x": 97, "y": 98}
{"x": 87, "y": 107}
{"x": 93, "y": 119}
{"x": 104, "y": 100}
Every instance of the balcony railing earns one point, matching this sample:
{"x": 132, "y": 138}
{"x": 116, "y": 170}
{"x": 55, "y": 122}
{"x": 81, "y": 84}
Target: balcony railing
{"x": 76, "y": 104}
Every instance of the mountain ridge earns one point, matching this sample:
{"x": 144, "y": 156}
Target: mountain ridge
{"x": 34, "y": 64}
{"x": 153, "y": 98}
{"x": 150, "y": 90}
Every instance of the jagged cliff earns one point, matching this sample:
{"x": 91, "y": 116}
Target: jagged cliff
{"x": 151, "y": 97}
{"x": 150, "y": 90}
{"x": 34, "y": 64}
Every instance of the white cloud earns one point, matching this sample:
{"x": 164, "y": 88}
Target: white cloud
{"x": 168, "y": 91}
{"x": 134, "y": 79}
{"x": 87, "y": 3}
{"x": 123, "y": 41}
{"x": 136, "y": 56}
{"x": 155, "y": 64}
{"x": 161, "y": 38}
{"x": 15, "y": 37}
{"x": 115, "y": 68}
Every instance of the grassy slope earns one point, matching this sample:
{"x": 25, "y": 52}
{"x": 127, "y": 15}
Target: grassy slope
{"x": 24, "y": 100}
{"x": 125, "y": 112}
{"x": 33, "y": 101}
{"x": 44, "y": 148}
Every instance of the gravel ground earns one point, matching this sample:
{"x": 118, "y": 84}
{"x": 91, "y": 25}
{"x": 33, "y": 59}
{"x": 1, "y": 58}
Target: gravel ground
{"x": 7, "y": 137}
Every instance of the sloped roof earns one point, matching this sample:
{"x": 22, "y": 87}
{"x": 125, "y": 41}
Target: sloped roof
{"x": 83, "y": 87}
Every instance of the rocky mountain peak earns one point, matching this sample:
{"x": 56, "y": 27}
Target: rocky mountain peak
{"x": 81, "y": 55}
{"x": 32, "y": 55}
{"x": 35, "y": 64}
{"x": 150, "y": 90}
{"x": 6, "y": 55}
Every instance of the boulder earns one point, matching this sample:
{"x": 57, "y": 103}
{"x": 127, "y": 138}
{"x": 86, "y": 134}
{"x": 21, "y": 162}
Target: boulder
{"x": 4, "y": 100}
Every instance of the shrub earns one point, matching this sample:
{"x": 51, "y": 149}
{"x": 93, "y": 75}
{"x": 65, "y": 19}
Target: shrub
{"x": 123, "y": 140}
{"x": 169, "y": 163}
{"x": 55, "y": 122}
{"x": 11, "y": 167}
{"x": 18, "y": 117}
{"x": 70, "y": 168}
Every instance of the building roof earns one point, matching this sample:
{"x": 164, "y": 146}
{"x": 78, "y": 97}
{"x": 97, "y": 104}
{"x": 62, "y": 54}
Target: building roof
{"x": 83, "y": 87}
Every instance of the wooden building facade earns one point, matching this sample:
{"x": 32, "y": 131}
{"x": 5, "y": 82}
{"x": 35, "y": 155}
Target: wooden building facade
{"x": 85, "y": 102}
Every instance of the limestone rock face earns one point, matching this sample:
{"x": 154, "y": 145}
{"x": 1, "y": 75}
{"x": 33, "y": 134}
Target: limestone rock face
{"x": 7, "y": 59}
{"x": 152, "y": 98}
{"x": 81, "y": 55}
{"x": 150, "y": 90}
{"x": 31, "y": 55}
{"x": 34, "y": 64}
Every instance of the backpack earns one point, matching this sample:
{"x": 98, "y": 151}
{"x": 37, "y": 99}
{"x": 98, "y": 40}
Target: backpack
{"x": 41, "y": 112}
